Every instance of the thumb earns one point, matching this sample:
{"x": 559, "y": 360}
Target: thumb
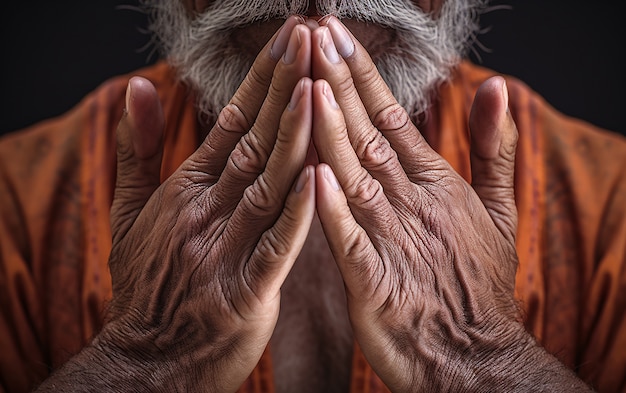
{"x": 494, "y": 140}
{"x": 139, "y": 147}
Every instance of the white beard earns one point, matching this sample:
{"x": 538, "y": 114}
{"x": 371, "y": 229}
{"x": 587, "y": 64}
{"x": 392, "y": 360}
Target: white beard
{"x": 426, "y": 50}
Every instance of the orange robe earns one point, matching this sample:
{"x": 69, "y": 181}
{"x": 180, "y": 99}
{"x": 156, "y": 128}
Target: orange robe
{"x": 56, "y": 187}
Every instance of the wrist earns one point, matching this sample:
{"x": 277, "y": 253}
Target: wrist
{"x": 513, "y": 361}
{"x": 100, "y": 367}
{"x": 134, "y": 359}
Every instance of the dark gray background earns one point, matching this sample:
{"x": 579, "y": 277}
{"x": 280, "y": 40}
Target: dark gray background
{"x": 54, "y": 52}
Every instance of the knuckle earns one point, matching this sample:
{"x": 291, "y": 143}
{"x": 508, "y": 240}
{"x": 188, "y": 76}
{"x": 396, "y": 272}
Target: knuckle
{"x": 431, "y": 218}
{"x": 256, "y": 78}
{"x": 356, "y": 246}
{"x": 174, "y": 188}
{"x": 391, "y": 118}
{"x": 361, "y": 260}
{"x": 251, "y": 91}
{"x": 375, "y": 153}
{"x": 232, "y": 119}
{"x": 511, "y": 139}
{"x": 369, "y": 77}
{"x": 123, "y": 144}
{"x": 260, "y": 199}
{"x": 272, "y": 247}
{"x": 249, "y": 156}
{"x": 368, "y": 193}
{"x": 124, "y": 153}
{"x": 278, "y": 88}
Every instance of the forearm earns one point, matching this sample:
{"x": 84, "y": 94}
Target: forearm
{"x": 524, "y": 366}
{"x": 96, "y": 368}
{"x": 507, "y": 361}
{"x": 124, "y": 358}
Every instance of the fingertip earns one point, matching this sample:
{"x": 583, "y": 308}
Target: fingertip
{"x": 140, "y": 93}
{"x": 327, "y": 176}
{"x": 487, "y": 117}
{"x": 326, "y": 181}
{"x": 330, "y": 132}
{"x": 128, "y": 96}
{"x": 282, "y": 36}
{"x": 302, "y": 89}
{"x": 505, "y": 94}
{"x": 327, "y": 194}
{"x": 138, "y": 88}
{"x": 327, "y": 93}
{"x": 343, "y": 39}
{"x": 298, "y": 116}
{"x": 330, "y": 178}
{"x": 323, "y": 90}
{"x": 305, "y": 178}
{"x": 492, "y": 95}
{"x": 145, "y": 117}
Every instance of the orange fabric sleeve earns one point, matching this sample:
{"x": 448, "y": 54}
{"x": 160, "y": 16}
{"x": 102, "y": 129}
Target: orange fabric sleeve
{"x": 590, "y": 166}
{"x": 49, "y": 311}
{"x": 21, "y": 356}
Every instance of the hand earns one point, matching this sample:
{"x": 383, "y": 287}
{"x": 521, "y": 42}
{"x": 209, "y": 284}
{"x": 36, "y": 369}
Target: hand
{"x": 197, "y": 262}
{"x": 428, "y": 261}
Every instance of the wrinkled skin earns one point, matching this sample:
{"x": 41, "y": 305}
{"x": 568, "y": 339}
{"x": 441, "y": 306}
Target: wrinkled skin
{"x": 197, "y": 262}
{"x": 223, "y": 232}
{"x": 428, "y": 261}
{"x": 428, "y": 270}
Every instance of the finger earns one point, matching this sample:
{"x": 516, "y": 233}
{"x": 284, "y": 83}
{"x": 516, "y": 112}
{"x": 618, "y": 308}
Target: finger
{"x": 494, "y": 140}
{"x": 356, "y": 256}
{"x": 367, "y": 95}
{"x": 328, "y": 65}
{"x": 279, "y": 247}
{"x": 332, "y": 143}
{"x": 366, "y": 196}
{"x": 236, "y": 119}
{"x": 253, "y": 90}
{"x": 264, "y": 201}
{"x": 251, "y": 154}
{"x": 139, "y": 149}
{"x": 371, "y": 87}
{"x": 372, "y": 149}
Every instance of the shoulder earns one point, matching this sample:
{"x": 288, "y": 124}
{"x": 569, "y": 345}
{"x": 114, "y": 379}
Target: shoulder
{"x": 553, "y": 131}
{"x": 93, "y": 119}
{"x": 47, "y": 160}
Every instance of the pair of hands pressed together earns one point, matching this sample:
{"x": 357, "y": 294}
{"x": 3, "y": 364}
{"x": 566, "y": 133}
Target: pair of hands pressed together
{"x": 428, "y": 261}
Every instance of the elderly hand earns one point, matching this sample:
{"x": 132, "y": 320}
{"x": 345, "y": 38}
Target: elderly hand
{"x": 197, "y": 262}
{"x": 428, "y": 261}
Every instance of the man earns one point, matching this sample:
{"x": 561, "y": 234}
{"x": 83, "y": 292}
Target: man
{"x": 219, "y": 217}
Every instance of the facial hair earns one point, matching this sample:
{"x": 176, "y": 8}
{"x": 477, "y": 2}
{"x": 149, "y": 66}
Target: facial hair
{"x": 426, "y": 49}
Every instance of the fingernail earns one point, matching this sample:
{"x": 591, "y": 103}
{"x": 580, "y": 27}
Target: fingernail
{"x": 127, "y": 99}
{"x": 282, "y": 39}
{"x": 324, "y": 19}
{"x": 330, "y": 178}
{"x": 296, "y": 95}
{"x": 312, "y": 23}
{"x": 328, "y": 94}
{"x": 292, "y": 48}
{"x": 341, "y": 37}
{"x": 303, "y": 179}
{"x": 328, "y": 46}
{"x": 505, "y": 93}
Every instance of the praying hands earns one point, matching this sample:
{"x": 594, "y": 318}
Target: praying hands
{"x": 427, "y": 259}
